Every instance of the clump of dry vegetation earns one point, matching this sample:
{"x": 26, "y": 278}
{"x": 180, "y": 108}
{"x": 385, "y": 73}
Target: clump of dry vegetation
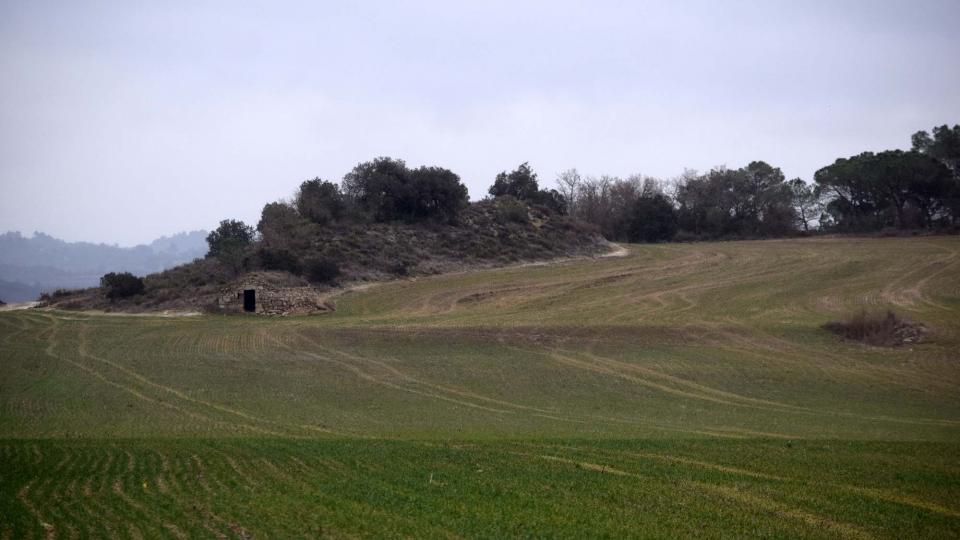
{"x": 878, "y": 329}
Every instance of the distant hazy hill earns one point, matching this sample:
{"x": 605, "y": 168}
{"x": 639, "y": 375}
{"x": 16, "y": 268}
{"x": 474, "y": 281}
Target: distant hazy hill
{"x": 30, "y": 265}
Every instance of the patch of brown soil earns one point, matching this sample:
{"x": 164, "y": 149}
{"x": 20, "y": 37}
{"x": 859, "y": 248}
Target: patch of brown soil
{"x": 878, "y": 329}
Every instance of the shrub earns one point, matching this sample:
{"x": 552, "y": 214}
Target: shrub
{"x": 321, "y": 270}
{"x": 878, "y": 329}
{"x": 510, "y": 210}
{"x": 402, "y": 268}
{"x": 686, "y": 236}
{"x": 122, "y": 285}
{"x": 550, "y": 199}
{"x": 55, "y": 295}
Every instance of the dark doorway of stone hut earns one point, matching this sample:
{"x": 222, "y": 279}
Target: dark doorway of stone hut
{"x": 250, "y": 300}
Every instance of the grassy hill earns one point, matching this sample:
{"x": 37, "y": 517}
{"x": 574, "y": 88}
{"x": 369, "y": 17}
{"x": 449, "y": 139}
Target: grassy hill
{"x": 487, "y": 233}
{"x": 682, "y": 390}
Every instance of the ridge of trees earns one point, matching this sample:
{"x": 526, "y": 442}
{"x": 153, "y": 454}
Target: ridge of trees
{"x": 377, "y": 191}
{"x": 906, "y": 190}
{"x": 914, "y": 189}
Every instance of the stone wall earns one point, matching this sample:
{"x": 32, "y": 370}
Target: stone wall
{"x": 273, "y": 299}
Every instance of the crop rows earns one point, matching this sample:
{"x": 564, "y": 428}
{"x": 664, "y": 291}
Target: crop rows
{"x": 683, "y": 390}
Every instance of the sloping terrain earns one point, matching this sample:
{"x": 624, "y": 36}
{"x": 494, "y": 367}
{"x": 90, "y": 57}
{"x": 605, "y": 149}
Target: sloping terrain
{"x": 685, "y": 389}
{"x": 488, "y": 233}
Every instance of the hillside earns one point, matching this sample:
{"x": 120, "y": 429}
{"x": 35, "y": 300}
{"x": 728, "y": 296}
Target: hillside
{"x": 488, "y": 233}
{"x": 683, "y": 390}
{"x": 31, "y": 265}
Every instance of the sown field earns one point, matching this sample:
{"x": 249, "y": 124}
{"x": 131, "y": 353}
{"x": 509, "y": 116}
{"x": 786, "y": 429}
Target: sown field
{"x": 682, "y": 390}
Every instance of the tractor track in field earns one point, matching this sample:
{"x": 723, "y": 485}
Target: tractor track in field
{"x": 641, "y": 375}
{"x": 866, "y": 492}
{"x": 437, "y": 387}
{"x": 182, "y": 396}
{"x": 383, "y": 381}
{"x": 200, "y": 415}
{"x": 692, "y": 388}
{"x": 907, "y": 290}
{"x": 777, "y": 349}
{"x": 713, "y": 352}
{"x": 764, "y": 503}
{"x": 117, "y": 507}
{"x": 435, "y": 391}
{"x": 739, "y": 495}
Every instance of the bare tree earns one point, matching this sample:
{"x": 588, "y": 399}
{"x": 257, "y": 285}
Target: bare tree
{"x": 593, "y": 199}
{"x": 568, "y": 183}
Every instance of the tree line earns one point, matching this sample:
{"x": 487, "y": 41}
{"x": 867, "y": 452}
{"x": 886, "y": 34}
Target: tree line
{"x": 915, "y": 189}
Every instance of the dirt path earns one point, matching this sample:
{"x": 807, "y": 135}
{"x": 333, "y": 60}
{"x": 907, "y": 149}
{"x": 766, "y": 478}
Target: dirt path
{"x": 18, "y": 306}
{"x": 618, "y": 251}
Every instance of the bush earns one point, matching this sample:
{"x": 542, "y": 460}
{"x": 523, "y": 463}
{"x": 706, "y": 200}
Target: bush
{"x": 550, "y": 199}
{"x": 402, "y": 268}
{"x": 122, "y": 285}
{"x": 322, "y": 270}
{"x": 510, "y": 210}
{"x": 891, "y": 232}
{"x": 55, "y": 295}
{"x": 878, "y": 329}
{"x": 686, "y": 236}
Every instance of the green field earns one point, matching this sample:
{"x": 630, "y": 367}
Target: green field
{"x": 682, "y": 390}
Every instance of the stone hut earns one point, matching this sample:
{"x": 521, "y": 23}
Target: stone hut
{"x": 272, "y": 293}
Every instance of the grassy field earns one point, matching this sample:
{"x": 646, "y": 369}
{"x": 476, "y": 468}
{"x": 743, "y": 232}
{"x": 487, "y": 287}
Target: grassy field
{"x": 682, "y": 390}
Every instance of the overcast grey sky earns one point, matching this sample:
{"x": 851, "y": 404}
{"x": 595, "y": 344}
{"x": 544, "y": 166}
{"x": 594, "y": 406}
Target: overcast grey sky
{"x": 123, "y": 121}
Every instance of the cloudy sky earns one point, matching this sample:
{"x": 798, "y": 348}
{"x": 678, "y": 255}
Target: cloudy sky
{"x": 123, "y": 121}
